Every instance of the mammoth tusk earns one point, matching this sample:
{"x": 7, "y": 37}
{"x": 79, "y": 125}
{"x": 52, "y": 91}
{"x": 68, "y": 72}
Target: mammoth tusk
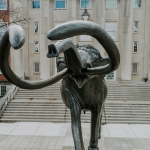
{"x": 74, "y": 28}
{"x": 14, "y": 36}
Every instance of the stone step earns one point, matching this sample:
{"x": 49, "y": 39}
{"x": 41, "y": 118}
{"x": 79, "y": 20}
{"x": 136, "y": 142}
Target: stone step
{"x": 61, "y": 104}
{"x": 55, "y": 108}
{"x": 63, "y": 108}
{"x": 53, "y": 103}
{"x": 62, "y": 114}
{"x": 124, "y": 104}
{"x": 109, "y": 90}
{"x": 65, "y": 120}
{"x": 59, "y": 95}
{"x": 82, "y": 118}
{"x": 106, "y": 107}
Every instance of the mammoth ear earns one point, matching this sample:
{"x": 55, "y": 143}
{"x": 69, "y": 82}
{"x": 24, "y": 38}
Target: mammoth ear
{"x": 61, "y": 65}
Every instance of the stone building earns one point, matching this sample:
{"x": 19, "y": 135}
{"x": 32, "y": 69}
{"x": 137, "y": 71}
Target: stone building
{"x": 127, "y": 21}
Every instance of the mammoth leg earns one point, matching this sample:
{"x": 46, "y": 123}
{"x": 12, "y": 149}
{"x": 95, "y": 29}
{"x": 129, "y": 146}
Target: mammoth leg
{"x": 75, "y": 111}
{"x": 95, "y": 124}
{"x": 100, "y": 127}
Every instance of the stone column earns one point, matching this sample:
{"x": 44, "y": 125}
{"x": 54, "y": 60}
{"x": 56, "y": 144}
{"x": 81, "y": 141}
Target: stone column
{"x": 71, "y": 12}
{"x": 25, "y": 48}
{"x": 44, "y": 27}
{"x": 16, "y": 62}
{"x": 52, "y": 60}
{"x": 126, "y": 56}
{"x": 146, "y": 72}
{"x": 100, "y": 19}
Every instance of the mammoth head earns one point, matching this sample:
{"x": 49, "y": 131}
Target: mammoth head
{"x": 79, "y": 60}
{"x": 90, "y": 57}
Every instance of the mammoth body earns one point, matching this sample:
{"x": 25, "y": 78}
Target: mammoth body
{"x": 91, "y": 96}
{"x": 89, "y": 91}
{"x": 83, "y": 86}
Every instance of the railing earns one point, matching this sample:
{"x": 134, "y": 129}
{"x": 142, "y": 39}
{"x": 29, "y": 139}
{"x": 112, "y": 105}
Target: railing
{"x": 6, "y": 99}
{"x": 12, "y": 94}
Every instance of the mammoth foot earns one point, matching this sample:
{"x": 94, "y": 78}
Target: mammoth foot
{"x": 93, "y": 148}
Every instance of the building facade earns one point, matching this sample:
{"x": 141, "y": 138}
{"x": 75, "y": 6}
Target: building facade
{"x": 4, "y": 20}
{"x": 127, "y": 22}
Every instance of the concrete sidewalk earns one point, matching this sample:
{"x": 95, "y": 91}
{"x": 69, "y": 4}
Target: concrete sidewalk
{"x": 52, "y": 136}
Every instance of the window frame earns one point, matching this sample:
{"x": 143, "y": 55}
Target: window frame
{"x": 137, "y": 27}
{"x": 1, "y": 90}
{"x": 137, "y": 47}
{"x": 38, "y": 27}
{"x": 116, "y": 28}
{"x": 35, "y": 47}
{"x": 34, "y": 72}
{"x": 61, "y": 8}
{"x": 112, "y": 8}
{"x": 86, "y": 8}
{"x": 114, "y": 77}
{"x": 6, "y": 6}
{"x": 133, "y": 73}
{"x": 137, "y": 7}
{"x": 36, "y": 8}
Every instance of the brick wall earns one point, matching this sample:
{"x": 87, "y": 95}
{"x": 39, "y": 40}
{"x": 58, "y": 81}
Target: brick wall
{"x": 7, "y": 19}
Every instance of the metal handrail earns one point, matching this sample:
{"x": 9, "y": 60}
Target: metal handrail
{"x": 9, "y": 98}
{"x": 11, "y": 95}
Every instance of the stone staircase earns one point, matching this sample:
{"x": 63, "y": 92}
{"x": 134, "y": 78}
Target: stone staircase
{"x": 124, "y": 104}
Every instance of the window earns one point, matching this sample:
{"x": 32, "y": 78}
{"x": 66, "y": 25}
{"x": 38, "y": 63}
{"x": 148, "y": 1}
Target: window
{"x": 111, "y": 29}
{"x": 85, "y": 4}
{"x": 36, "y": 4}
{"x": 111, "y": 4}
{"x": 2, "y": 29}
{"x": 85, "y": 38}
{"x": 136, "y": 3}
{"x": 3, "y": 90}
{"x": 136, "y": 25}
{"x": 36, "y": 47}
{"x": 134, "y": 68}
{"x": 135, "y": 47}
{"x": 36, "y": 67}
{"x": 110, "y": 76}
{"x": 36, "y": 27}
{"x": 3, "y": 4}
{"x": 60, "y": 4}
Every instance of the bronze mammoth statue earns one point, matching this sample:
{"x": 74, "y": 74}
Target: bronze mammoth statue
{"x": 83, "y": 86}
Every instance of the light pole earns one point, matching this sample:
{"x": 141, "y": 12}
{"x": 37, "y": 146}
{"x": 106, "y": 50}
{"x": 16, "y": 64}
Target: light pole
{"x": 85, "y": 14}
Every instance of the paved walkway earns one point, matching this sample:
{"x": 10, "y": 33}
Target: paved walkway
{"x": 50, "y": 136}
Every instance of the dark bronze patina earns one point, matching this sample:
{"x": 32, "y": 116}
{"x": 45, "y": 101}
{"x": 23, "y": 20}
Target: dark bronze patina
{"x": 83, "y": 86}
